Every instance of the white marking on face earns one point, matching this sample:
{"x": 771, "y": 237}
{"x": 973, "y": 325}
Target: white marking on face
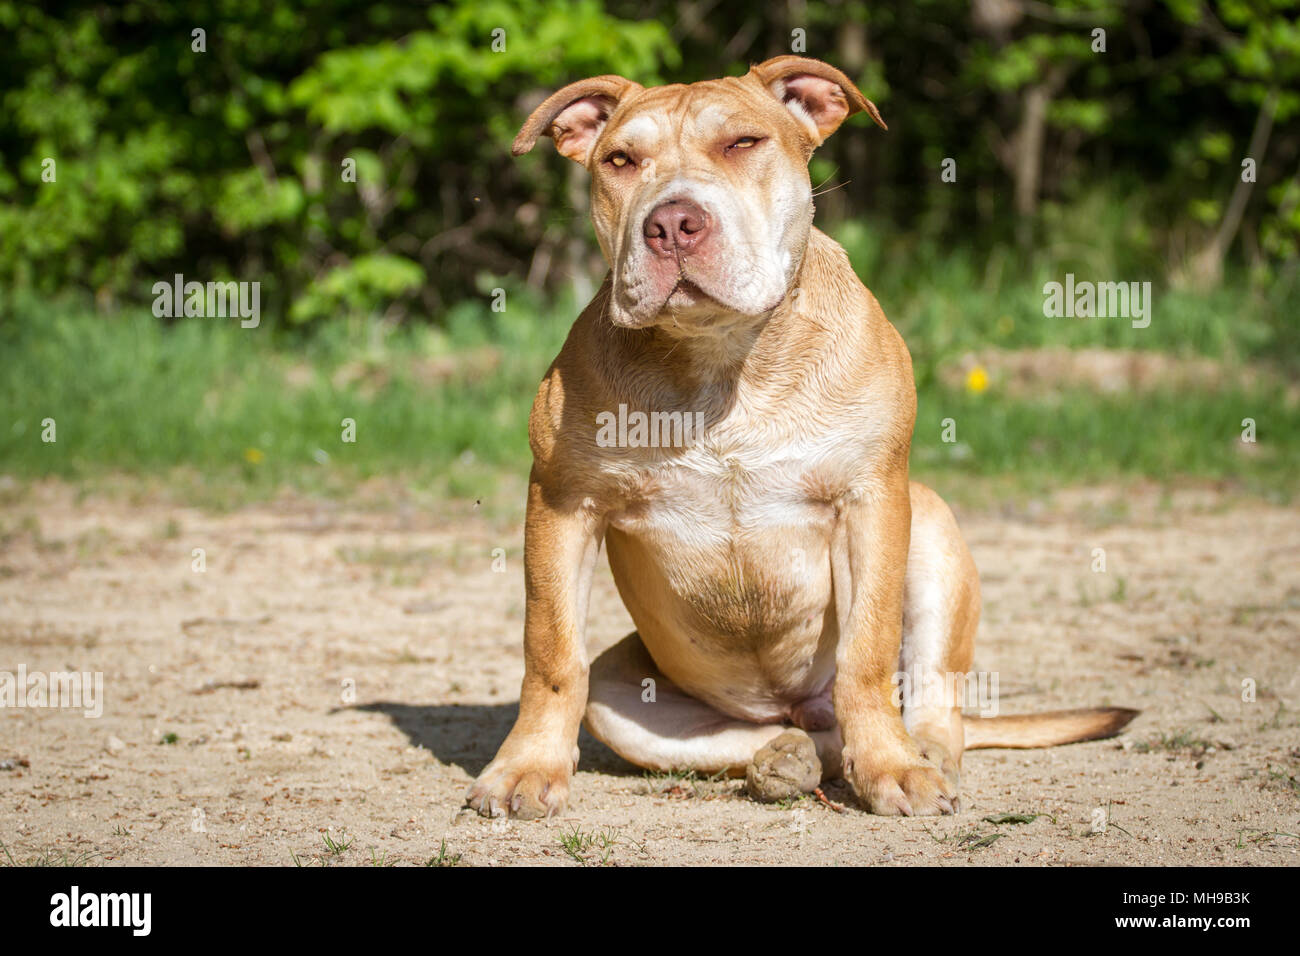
{"x": 640, "y": 129}
{"x": 710, "y": 120}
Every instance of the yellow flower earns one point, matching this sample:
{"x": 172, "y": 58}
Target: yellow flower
{"x": 253, "y": 456}
{"x": 977, "y": 379}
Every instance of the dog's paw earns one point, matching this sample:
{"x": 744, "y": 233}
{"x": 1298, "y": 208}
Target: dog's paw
{"x": 910, "y": 789}
{"x": 520, "y": 788}
{"x": 785, "y": 767}
{"x": 937, "y": 752}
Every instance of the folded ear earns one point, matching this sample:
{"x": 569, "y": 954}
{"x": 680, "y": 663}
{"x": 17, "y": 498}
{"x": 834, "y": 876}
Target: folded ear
{"x": 819, "y": 96}
{"x": 574, "y": 116}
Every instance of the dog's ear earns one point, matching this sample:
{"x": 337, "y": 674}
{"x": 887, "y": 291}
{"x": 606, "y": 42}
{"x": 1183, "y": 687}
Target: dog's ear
{"x": 574, "y": 116}
{"x": 819, "y": 96}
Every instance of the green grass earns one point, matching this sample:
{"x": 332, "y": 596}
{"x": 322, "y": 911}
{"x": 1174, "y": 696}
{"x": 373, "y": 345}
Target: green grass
{"x": 336, "y": 847}
{"x": 1184, "y": 741}
{"x": 48, "y": 857}
{"x": 203, "y": 403}
{"x": 685, "y": 783}
{"x": 591, "y": 848}
{"x": 234, "y": 406}
{"x": 444, "y": 858}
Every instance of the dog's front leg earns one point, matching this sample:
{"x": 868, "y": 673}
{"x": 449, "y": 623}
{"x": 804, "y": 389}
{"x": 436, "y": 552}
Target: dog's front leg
{"x": 529, "y": 777}
{"x": 869, "y": 561}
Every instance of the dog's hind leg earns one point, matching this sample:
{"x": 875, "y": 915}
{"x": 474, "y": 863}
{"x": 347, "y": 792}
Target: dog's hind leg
{"x": 660, "y": 727}
{"x": 941, "y": 607}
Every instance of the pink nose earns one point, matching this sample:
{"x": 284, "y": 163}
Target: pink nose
{"x": 675, "y": 228}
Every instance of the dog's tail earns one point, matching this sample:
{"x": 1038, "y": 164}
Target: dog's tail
{"x": 1047, "y": 729}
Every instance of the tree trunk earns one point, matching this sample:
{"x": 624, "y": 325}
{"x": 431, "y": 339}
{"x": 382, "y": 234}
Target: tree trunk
{"x": 1207, "y": 266}
{"x": 1026, "y": 151}
{"x": 851, "y": 57}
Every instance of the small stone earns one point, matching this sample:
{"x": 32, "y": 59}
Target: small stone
{"x": 784, "y": 768}
{"x": 114, "y": 745}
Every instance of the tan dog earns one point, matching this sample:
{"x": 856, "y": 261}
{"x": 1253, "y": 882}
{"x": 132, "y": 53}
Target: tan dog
{"x": 778, "y": 564}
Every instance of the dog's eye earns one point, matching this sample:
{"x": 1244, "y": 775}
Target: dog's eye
{"x": 744, "y": 142}
{"x": 618, "y": 159}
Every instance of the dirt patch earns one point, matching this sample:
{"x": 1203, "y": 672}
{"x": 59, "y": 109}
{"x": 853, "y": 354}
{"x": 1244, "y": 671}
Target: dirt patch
{"x": 330, "y": 683}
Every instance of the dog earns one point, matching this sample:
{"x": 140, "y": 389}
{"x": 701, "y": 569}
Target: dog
{"x": 781, "y": 568}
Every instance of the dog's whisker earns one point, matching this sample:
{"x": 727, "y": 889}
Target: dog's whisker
{"x": 831, "y": 189}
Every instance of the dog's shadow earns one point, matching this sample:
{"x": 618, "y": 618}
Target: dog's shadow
{"x": 468, "y": 735}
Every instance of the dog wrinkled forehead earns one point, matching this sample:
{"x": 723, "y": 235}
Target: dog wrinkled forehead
{"x": 814, "y": 95}
{"x": 692, "y": 120}
{"x": 712, "y": 118}
{"x": 701, "y": 108}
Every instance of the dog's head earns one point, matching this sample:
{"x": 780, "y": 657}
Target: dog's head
{"x": 700, "y": 194}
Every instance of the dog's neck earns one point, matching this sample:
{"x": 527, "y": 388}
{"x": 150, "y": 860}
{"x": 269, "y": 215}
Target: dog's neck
{"x": 714, "y": 351}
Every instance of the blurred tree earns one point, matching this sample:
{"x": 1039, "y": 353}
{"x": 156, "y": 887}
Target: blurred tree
{"x": 354, "y": 156}
{"x": 1260, "y": 63}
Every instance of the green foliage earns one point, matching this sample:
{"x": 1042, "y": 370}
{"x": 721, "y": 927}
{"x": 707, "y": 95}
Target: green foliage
{"x": 947, "y": 302}
{"x": 350, "y": 289}
{"x": 232, "y": 161}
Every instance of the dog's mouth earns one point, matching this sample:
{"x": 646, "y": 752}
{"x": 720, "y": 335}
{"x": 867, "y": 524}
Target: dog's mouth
{"x": 686, "y": 301}
{"x": 688, "y": 294}
{"x": 685, "y": 294}
{"x": 688, "y": 306}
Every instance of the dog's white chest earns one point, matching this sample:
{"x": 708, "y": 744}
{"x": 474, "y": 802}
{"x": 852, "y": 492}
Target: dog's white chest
{"x": 722, "y": 557}
{"x": 721, "y": 493}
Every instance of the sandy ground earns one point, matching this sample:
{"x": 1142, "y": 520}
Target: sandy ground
{"x": 343, "y": 674}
